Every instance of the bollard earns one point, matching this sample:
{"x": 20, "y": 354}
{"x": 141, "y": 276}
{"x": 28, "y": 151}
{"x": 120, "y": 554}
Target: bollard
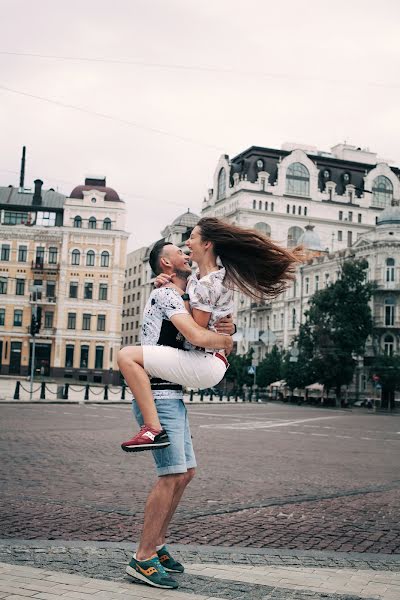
{"x": 66, "y": 391}
{"x": 201, "y": 396}
{"x": 86, "y": 392}
{"x": 106, "y": 392}
{"x": 191, "y": 396}
{"x": 123, "y": 392}
{"x": 16, "y": 393}
{"x": 211, "y": 397}
{"x": 236, "y": 397}
{"x": 220, "y": 397}
{"x": 43, "y": 391}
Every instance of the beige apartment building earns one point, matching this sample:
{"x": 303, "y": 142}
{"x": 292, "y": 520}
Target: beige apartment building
{"x": 64, "y": 257}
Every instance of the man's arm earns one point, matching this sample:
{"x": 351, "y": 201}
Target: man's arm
{"x": 198, "y": 336}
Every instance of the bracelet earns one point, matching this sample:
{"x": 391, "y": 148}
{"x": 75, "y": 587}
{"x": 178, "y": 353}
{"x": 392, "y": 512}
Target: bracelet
{"x": 235, "y": 329}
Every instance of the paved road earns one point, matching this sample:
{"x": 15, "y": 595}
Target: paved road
{"x": 269, "y": 476}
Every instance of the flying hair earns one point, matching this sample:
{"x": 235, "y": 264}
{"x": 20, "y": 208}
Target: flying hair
{"x": 254, "y": 264}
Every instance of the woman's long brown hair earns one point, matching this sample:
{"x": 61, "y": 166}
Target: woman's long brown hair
{"x": 254, "y": 264}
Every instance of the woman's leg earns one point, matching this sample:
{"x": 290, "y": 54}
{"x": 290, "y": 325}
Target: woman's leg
{"x": 130, "y": 362}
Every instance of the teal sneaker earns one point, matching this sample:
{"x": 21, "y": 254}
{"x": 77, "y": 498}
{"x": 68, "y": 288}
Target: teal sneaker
{"x": 168, "y": 562}
{"x": 151, "y": 572}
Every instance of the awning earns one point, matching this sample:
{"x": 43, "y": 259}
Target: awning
{"x": 278, "y": 384}
{"x": 318, "y": 387}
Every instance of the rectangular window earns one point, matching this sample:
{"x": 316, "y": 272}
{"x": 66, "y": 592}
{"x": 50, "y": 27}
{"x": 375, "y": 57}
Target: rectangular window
{"x": 20, "y": 287}
{"x": 15, "y": 218}
{"x": 340, "y": 236}
{"x": 46, "y": 219}
{"x": 51, "y": 289}
{"x": 359, "y": 217}
{"x": 69, "y": 356}
{"x": 349, "y": 238}
{"x": 389, "y": 315}
{"x": 52, "y": 256}
{"x": 350, "y": 216}
{"x": 5, "y": 252}
{"x": 2, "y": 316}
{"x": 340, "y": 215}
{"x": 48, "y": 319}
{"x": 130, "y": 271}
{"x": 98, "y": 363}
{"x": 3, "y": 285}
{"x": 307, "y": 285}
{"x": 101, "y": 322}
{"x": 40, "y": 255}
{"x": 138, "y": 295}
{"x": 103, "y": 288}
{"x": 128, "y": 298}
{"x": 84, "y": 357}
{"x": 137, "y": 324}
{"x": 73, "y": 289}
{"x": 71, "y": 321}
{"x": 316, "y": 283}
{"x": 134, "y": 270}
{"x": 17, "y": 318}
{"x": 88, "y": 291}
{"x": 22, "y": 253}
{"x": 137, "y": 310}
{"x": 133, "y": 297}
{"x": 139, "y": 281}
{"x": 86, "y": 321}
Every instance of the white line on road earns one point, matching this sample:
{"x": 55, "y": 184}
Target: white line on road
{"x": 262, "y": 424}
{"x": 320, "y": 434}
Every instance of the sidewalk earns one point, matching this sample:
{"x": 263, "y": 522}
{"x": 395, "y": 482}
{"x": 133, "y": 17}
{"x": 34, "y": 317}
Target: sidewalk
{"x": 47, "y": 570}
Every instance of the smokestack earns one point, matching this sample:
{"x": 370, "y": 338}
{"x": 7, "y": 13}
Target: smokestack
{"x": 37, "y": 196}
{"x": 22, "y": 173}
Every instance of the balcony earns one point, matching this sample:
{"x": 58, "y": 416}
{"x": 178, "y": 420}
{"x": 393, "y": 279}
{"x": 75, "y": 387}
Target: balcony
{"x": 41, "y": 298}
{"x": 264, "y": 305}
{"x": 39, "y": 266}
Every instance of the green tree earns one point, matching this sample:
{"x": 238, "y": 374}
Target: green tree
{"x": 297, "y": 374}
{"x": 238, "y": 369}
{"x": 270, "y": 369}
{"x": 338, "y": 322}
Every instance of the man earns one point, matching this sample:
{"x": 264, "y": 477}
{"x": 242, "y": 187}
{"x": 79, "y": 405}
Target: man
{"x": 167, "y": 322}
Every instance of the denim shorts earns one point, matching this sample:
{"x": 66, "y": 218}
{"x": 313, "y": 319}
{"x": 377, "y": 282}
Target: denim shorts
{"x": 179, "y": 456}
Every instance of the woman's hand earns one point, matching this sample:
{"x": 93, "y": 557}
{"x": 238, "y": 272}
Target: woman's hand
{"x": 174, "y": 287}
{"x": 163, "y": 279}
{"x": 225, "y": 326}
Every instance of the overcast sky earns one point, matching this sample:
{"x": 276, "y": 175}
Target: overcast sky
{"x": 181, "y": 82}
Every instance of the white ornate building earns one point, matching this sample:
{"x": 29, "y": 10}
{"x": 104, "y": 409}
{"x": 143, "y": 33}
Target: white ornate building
{"x": 329, "y": 202}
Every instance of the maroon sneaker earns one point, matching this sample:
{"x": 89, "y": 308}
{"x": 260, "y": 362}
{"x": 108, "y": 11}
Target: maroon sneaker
{"x": 147, "y": 439}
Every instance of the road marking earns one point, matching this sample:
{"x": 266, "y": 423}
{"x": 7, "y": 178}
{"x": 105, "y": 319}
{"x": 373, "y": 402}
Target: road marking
{"x": 297, "y": 432}
{"x": 346, "y": 437}
{"x": 261, "y": 424}
{"x": 321, "y": 434}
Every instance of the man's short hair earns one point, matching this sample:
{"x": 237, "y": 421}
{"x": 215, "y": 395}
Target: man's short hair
{"x": 156, "y": 254}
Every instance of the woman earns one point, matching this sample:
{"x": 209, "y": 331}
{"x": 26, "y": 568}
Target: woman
{"x": 228, "y": 257}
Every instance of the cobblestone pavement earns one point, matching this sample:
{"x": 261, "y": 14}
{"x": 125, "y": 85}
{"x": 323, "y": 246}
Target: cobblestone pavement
{"x": 269, "y": 476}
{"x": 210, "y": 573}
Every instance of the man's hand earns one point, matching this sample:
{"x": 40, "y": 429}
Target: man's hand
{"x": 225, "y": 325}
{"x": 163, "y": 279}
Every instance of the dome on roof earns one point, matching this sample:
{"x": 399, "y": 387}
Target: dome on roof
{"x": 310, "y": 239}
{"x": 95, "y": 183}
{"x": 390, "y": 216}
{"x": 187, "y": 219}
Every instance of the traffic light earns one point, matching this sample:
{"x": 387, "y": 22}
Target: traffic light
{"x": 36, "y": 320}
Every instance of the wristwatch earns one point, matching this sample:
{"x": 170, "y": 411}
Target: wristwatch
{"x": 185, "y": 296}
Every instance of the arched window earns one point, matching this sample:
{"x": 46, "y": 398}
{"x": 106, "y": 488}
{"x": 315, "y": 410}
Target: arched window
{"x": 254, "y": 204}
{"x": 388, "y": 345}
{"x": 294, "y": 234}
{"x": 221, "y": 184}
{"x": 299, "y": 210}
{"x": 107, "y": 224}
{"x": 390, "y": 304}
{"x": 298, "y": 180}
{"x": 92, "y": 223}
{"x": 76, "y": 257}
{"x": 266, "y": 206}
{"x": 288, "y": 208}
{"x": 382, "y": 191}
{"x": 105, "y": 259}
{"x": 272, "y": 206}
{"x": 305, "y": 211}
{"x": 390, "y": 272}
{"x": 263, "y": 228}
{"x": 260, "y": 205}
{"x": 78, "y": 222}
{"x": 90, "y": 258}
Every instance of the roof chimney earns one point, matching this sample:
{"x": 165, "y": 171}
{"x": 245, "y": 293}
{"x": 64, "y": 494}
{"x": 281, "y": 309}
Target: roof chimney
{"x": 22, "y": 172}
{"x": 37, "y": 195}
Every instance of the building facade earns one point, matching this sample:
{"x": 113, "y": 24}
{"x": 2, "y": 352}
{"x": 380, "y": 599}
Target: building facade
{"x": 65, "y": 258}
